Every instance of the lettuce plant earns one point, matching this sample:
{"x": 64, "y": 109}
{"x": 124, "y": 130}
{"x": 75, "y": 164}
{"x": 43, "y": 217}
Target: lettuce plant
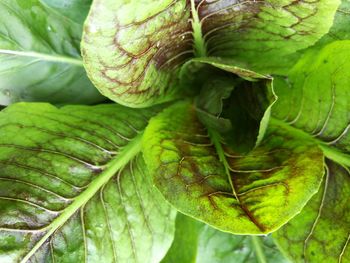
{"x": 226, "y": 137}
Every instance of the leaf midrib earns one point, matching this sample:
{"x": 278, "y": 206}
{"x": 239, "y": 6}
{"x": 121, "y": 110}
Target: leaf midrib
{"x": 127, "y": 154}
{"x": 215, "y": 138}
{"x": 330, "y": 152}
{"x": 199, "y": 43}
{"x": 44, "y": 57}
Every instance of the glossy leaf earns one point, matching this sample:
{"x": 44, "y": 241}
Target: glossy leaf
{"x": 40, "y": 56}
{"x": 252, "y": 194}
{"x": 74, "y": 188}
{"x": 321, "y": 232}
{"x": 197, "y": 242}
{"x": 133, "y": 50}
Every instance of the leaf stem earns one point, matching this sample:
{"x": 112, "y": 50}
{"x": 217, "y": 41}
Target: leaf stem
{"x": 199, "y": 44}
{"x": 258, "y": 249}
{"x": 129, "y": 152}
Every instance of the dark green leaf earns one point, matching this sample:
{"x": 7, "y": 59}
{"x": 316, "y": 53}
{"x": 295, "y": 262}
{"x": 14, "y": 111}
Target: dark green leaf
{"x": 73, "y": 187}
{"x": 40, "y": 56}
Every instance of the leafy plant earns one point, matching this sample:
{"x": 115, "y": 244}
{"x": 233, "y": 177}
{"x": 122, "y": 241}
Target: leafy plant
{"x": 229, "y": 140}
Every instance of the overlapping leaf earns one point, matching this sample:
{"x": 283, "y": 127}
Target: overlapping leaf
{"x": 252, "y": 194}
{"x": 75, "y": 10}
{"x": 39, "y": 54}
{"x": 315, "y": 98}
{"x": 133, "y": 50}
{"x": 314, "y": 101}
{"x": 74, "y": 188}
{"x": 197, "y": 242}
{"x": 261, "y": 33}
{"x": 321, "y": 232}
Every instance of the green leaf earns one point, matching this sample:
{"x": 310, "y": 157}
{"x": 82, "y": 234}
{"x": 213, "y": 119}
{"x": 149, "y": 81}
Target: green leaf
{"x": 133, "y": 50}
{"x": 315, "y": 97}
{"x": 39, "y": 54}
{"x": 261, "y": 34}
{"x": 75, "y": 10}
{"x": 252, "y": 194}
{"x": 197, "y": 242}
{"x": 314, "y": 102}
{"x": 74, "y": 188}
{"x": 340, "y": 29}
{"x": 321, "y": 232}
{"x": 186, "y": 241}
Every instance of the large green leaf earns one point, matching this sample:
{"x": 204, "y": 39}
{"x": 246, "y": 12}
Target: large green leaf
{"x": 321, "y": 232}
{"x": 39, "y": 54}
{"x": 74, "y": 188}
{"x": 133, "y": 50}
{"x": 314, "y": 102}
{"x": 315, "y": 98}
{"x": 201, "y": 177}
{"x": 197, "y": 242}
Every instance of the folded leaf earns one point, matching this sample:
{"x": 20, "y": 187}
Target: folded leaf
{"x": 236, "y": 109}
{"x": 74, "y": 188}
{"x": 197, "y": 242}
{"x": 321, "y": 232}
{"x": 40, "y": 56}
{"x": 252, "y": 194}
